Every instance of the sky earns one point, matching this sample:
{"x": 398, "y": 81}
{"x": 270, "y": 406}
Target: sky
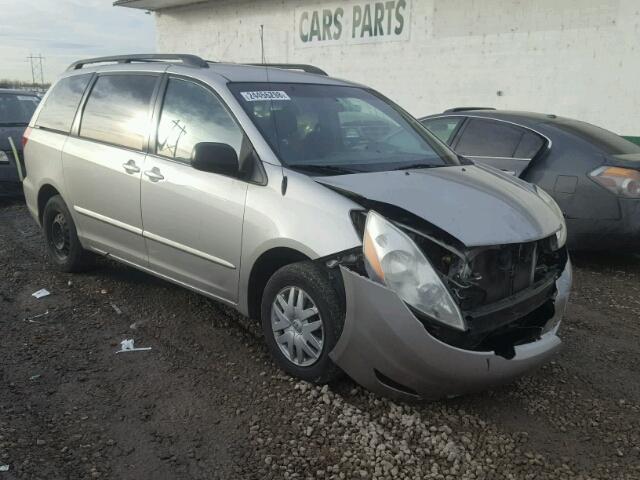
{"x": 67, "y": 30}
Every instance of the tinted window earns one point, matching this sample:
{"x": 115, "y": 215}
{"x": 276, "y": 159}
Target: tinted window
{"x": 17, "y": 108}
{"x": 191, "y": 114}
{"x": 62, "y": 102}
{"x": 336, "y": 128}
{"x": 443, "y": 128}
{"x": 608, "y": 141}
{"x": 529, "y": 145}
{"x": 117, "y": 110}
{"x": 486, "y": 138}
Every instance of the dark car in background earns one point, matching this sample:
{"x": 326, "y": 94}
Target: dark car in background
{"x": 592, "y": 173}
{"x": 16, "y": 109}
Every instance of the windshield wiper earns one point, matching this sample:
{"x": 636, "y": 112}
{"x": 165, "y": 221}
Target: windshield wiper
{"x": 328, "y": 169}
{"x": 417, "y": 165}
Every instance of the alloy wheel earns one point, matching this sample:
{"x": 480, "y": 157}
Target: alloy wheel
{"x": 297, "y": 326}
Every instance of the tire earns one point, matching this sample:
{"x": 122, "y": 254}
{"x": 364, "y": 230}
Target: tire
{"x": 61, "y": 238}
{"x": 315, "y": 283}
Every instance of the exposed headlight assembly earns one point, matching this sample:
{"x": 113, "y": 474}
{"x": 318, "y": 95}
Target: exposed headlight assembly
{"x": 393, "y": 259}
{"x": 561, "y": 235}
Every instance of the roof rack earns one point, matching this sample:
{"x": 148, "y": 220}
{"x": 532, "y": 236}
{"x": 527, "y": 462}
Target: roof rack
{"x": 293, "y": 66}
{"x": 466, "y": 109}
{"x": 188, "y": 60}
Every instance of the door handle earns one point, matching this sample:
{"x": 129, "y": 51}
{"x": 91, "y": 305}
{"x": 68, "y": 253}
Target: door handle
{"x": 154, "y": 174}
{"x": 130, "y": 167}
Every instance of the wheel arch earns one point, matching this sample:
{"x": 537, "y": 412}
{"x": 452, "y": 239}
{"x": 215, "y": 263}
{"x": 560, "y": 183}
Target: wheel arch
{"x": 45, "y": 193}
{"x": 263, "y": 268}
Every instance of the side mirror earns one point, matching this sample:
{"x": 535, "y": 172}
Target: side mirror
{"x": 218, "y": 158}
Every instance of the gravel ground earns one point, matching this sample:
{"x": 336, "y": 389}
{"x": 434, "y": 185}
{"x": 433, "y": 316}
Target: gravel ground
{"x": 206, "y": 401}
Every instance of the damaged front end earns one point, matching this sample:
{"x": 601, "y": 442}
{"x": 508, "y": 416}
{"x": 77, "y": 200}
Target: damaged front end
{"x": 510, "y": 299}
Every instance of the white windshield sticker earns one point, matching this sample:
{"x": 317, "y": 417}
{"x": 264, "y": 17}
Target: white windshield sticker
{"x": 264, "y": 95}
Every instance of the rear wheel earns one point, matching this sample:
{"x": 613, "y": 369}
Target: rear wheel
{"x": 302, "y": 319}
{"x": 61, "y": 238}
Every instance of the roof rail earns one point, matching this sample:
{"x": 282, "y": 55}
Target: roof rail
{"x": 188, "y": 60}
{"x": 293, "y": 66}
{"x": 465, "y": 109}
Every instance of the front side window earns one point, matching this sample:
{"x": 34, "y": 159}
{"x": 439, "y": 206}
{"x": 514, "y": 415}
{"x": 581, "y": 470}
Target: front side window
{"x": 62, "y": 103}
{"x": 443, "y": 128}
{"x": 190, "y": 115}
{"x": 117, "y": 110}
{"x": 17, "y": 109}
{"x": 338, "y": 128}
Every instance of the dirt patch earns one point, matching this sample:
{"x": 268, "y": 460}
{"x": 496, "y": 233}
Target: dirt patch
{"x": 206, "y": 401}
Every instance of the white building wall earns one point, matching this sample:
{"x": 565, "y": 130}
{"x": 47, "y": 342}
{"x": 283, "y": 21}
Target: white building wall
{"x": 576, "y": 58}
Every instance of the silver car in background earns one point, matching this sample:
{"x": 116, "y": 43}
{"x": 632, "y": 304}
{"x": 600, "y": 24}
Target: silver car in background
{"x": 314, "y": 205}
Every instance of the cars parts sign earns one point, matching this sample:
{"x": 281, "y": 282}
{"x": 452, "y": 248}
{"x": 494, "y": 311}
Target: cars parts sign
{"x": 339, "y": 23}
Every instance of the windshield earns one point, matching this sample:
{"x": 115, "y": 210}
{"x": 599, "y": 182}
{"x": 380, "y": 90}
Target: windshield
{"x": 337, "y": 129}
{"x": 16, "y": 109}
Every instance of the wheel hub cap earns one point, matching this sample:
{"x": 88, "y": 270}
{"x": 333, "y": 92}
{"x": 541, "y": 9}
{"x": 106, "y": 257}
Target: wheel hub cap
{"x": 60, "y": 235}
{"x": 297, "y": 326}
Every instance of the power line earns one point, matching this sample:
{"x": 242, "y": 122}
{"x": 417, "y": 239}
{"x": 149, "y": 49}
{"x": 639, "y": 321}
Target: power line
{"x": 37, "y": 72}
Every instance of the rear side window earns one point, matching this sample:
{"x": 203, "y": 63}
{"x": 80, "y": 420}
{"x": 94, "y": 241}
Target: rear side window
{"x": 487, "y": 138}
{"x": 117, "y": 110}
{"x": 529, "y": 145}
{"x": 443, "y": 128}
{"x": 62, "y": 103}
{"x": 190, "y": 115}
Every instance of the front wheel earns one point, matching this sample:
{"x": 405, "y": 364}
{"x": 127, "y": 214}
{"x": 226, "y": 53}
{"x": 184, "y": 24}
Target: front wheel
{"x": 302, "y": 319}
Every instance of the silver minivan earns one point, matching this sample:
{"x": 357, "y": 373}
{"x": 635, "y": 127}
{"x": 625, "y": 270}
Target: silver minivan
{"x": 317, "y": 206}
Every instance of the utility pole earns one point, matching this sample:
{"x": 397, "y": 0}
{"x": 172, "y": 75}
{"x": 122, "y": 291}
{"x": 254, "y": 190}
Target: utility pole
{"x": 262, "y": 42}
{"x": 37, "y": 72}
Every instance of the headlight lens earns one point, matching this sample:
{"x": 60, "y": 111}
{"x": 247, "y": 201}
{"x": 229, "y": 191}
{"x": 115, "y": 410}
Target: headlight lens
{"x": 3, "y": 157}
{"x": 624, "y": 182}
{"x": 393, "y": 259}
{"x": 561, "y": 235}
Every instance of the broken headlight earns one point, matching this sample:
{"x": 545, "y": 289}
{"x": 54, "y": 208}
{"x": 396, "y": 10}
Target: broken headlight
{"x": 561, "y": 234}
{"x": 393, "y": 259}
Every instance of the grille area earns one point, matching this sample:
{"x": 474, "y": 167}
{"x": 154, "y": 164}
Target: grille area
{"x": 494, "y": 273}
{"x": 505, "y": 292}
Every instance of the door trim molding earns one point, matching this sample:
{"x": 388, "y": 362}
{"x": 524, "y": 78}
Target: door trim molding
{"x": 166, "y": 277}
{"x": 185, "y": 248}
{"x": 109, "y": 220}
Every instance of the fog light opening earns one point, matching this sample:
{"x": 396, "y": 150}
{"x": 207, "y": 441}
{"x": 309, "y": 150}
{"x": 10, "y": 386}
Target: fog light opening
{"x": 388, "y": 382}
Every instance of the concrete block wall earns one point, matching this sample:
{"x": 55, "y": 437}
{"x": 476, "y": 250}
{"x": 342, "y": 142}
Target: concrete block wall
{"x": 576, "y": 58}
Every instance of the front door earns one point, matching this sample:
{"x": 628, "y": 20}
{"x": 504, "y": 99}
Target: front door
{"x": 192, "y": 219}
{"x": 103, "y": 164}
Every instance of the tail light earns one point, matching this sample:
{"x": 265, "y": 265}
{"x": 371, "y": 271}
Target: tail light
{"x": 25, "y": 136}
{"x": 624, "y": 182}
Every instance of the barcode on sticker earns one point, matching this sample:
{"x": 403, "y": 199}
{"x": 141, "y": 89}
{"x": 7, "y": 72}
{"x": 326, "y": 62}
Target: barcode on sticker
{"x": 264, "y": 95}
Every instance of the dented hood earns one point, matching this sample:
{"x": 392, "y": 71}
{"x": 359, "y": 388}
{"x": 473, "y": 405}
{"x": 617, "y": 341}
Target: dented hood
{"x": 476, "y": 204}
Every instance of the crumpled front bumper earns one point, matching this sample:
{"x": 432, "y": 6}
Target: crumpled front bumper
{"x": 386, "y": 349}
